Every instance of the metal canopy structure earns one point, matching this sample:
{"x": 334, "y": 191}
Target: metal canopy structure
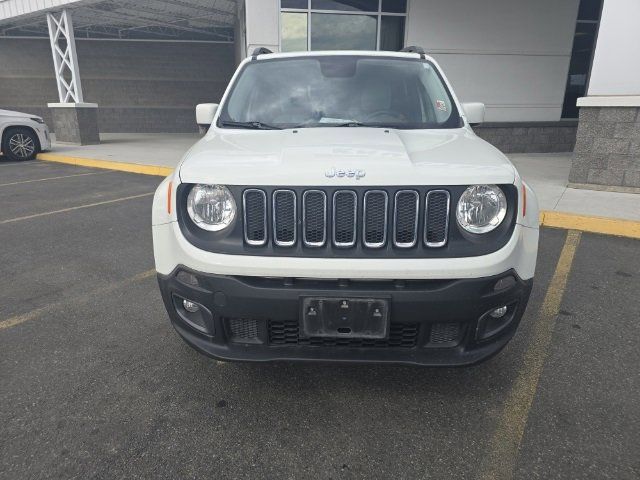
{"x": 203, "y": 20}
{"x": 65, "y": 59}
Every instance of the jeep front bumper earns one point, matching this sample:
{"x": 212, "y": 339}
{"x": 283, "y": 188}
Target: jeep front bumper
{"x": 432, "y": 322}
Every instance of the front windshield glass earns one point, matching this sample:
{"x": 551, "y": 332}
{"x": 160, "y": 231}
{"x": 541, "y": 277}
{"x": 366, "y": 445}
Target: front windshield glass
{"x": 325, "y": 91}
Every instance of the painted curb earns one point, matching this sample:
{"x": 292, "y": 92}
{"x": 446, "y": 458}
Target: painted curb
{"x": 584, "y": 223}
{"x": 106, "y": 164}
{"x": 569, "y": 221}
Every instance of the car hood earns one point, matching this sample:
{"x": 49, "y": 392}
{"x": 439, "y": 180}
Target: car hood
{"x": 385, "y": 156}
{"x": 9, "y": 113}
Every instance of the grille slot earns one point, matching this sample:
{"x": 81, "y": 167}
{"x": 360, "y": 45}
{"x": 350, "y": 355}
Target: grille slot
{"x": 284, "y": 218}
{"x": 401, "y": 335}
{"x": 405, "y": 227}
{"x": 254, "y": 204}
{"x": 374, "y": 229}
{"x": 445, "y": 334}
{"x": 314, "y": 218}
{"x": 345, "y": 205}
{"x": 244, "y": 330}
{"x": 436, "y": 223}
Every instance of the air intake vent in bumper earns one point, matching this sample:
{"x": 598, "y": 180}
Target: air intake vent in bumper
{"x": 401, "y": 335}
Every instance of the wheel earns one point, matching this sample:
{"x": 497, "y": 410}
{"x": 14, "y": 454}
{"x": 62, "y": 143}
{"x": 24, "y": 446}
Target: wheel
{"x": 20, "y": 144}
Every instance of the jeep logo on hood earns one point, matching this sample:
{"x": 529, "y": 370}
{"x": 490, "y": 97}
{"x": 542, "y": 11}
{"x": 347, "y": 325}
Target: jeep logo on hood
{"x": 349, "y": 173}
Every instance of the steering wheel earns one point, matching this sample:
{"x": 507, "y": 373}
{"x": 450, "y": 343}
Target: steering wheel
{"x": 380, "y": 113}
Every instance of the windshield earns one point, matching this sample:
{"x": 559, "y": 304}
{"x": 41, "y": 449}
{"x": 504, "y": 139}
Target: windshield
{"x": 339, "y": 91}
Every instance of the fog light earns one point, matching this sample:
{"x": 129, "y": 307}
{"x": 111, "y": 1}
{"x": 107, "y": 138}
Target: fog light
{"x": 192, "y": 307}
{"x": 196, "y": 315}
{"x": 497, "y": 313}
{"x": 495, "y": 321}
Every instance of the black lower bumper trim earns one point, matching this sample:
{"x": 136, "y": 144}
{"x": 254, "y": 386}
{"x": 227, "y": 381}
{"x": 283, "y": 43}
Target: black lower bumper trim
{"x": 432, "y": 322}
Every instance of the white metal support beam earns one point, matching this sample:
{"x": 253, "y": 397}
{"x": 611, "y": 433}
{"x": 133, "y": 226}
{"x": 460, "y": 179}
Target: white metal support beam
{"x": 65, "y": 60}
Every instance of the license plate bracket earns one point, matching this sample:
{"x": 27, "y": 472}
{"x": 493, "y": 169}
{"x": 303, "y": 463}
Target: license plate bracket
{"x": 340, "y": 317}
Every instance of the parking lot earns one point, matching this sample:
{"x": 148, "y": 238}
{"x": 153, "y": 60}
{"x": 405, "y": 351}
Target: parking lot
{"x": 94, "y": 383}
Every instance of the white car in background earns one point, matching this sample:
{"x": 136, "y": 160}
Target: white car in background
{"x": 341, "y": 208}
{"x": 22, "y": 136}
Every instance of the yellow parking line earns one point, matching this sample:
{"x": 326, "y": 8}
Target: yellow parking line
{"x": 505, "y": 443}
{"x": 51, "y": 178}
{"x": 109, "y": 165}
{"x": 71, "y": 209}
{"x": 18, "y": 319}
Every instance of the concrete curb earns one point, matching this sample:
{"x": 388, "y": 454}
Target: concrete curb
{"x": 569, "y": 221}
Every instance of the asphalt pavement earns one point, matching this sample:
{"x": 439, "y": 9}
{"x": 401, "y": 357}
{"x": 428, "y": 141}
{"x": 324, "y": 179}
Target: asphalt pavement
{"x": 94, "y": 383}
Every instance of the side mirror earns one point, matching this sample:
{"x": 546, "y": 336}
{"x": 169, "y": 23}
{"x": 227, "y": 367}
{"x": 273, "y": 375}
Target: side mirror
{"x": 205, "y": 113}
{"x": 474, "y": 111}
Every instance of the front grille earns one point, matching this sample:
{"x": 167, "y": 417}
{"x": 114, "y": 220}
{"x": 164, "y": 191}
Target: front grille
{"x": 344, "y": 218}
{"x": 401, "y": 335}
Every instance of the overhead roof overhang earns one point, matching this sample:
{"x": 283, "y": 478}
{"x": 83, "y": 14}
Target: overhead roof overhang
{"x": 204, "y": 20}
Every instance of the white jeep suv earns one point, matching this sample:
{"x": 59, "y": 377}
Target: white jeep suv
{"x": 340, "y": 208}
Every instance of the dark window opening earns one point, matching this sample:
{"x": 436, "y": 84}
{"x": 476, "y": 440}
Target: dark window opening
{"x": 584, "y": 42}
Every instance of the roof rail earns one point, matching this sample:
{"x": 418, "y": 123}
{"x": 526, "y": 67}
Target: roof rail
{"x": 260, "y": 51}
{"x": 414, "y": 49}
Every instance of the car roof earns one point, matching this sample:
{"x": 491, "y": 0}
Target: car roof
{"x": 327, "y": 53}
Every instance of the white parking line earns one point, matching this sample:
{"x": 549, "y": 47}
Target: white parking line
{"x": 18, "y": 319}
{"x": 71, "y": 209}
{"x": 53, "y": 178}
{"x": 23, "y": 164}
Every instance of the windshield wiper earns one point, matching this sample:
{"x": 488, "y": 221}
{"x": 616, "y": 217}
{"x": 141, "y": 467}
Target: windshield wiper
{"x": 356, "y": 124}
{"x": 251, "y": 125}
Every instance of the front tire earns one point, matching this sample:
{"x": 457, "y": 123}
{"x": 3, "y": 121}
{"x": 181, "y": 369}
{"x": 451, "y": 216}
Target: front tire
{"x": 20, "y": 144}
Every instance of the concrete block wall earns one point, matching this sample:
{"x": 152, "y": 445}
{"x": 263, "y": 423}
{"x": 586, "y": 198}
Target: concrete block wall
{"x": 139, "y": 86}
{"x": 607, "y": 150}
{"x": 539, "y": 137}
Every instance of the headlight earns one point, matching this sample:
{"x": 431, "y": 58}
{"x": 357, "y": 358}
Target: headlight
{"x": 211, "y": 207}
{"x": 37, "y": 119}
{"x": 481, "y": 208}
